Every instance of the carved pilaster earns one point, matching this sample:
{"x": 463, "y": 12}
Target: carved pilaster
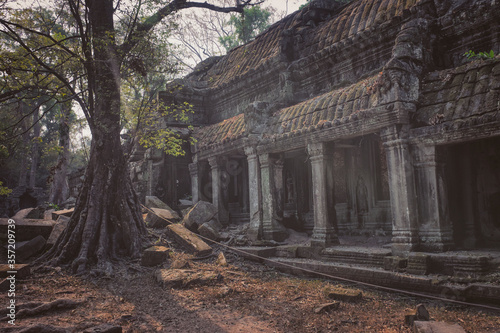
{"x": 195, "y": 187}
{"x": 254, "y": 192}
{"x": 402, "y": 190}
{"x": 435, "y": 229}
{"x": 323, "y": 198}
{"x": 218, "y": 182}
{"x": 271, "y": 222}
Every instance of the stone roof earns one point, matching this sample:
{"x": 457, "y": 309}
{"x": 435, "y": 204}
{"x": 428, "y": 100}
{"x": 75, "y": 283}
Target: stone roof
{"x": 227, "y": 130}
{"x": 342, "y": 22}
{"x": 328, "y": 109}
{"x": 468, "y": 92}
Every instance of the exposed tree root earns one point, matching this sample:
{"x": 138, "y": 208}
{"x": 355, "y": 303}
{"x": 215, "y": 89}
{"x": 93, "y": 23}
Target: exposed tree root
{"x": 33, "y": 309}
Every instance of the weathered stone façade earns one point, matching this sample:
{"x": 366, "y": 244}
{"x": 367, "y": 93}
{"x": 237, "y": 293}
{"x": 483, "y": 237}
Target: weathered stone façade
{"x": 364, "y": 117}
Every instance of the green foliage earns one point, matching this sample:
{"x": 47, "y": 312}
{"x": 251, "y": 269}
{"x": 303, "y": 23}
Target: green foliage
{"x": 4, "y": 190}
{"x": 53, "y": 206}
{"x": 247, "y": 26}
{"x": 471, "y": 55}
{"x": 157, "y": 134}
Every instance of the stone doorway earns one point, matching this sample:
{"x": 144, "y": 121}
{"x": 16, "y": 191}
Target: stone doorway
{"x": 473, "y": 179}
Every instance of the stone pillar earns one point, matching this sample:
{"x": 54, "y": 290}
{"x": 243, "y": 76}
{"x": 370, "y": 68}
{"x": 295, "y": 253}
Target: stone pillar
{"x": 435, "y": 229}
{"x": 195, "y": 187}
{"x": 218, "y": 177}
{"x": 324, "y": 234}
{"x": 254, "y": 192}
{"x": 402, "y": 191}
{"x": 272, "y": 229}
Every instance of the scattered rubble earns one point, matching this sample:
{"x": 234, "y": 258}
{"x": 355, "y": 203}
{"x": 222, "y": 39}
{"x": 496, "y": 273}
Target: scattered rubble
{"x": 343, "y": 294}
{"x": 201, "y": 213}
{"x": 154, "y": 255}
{"x": 188, "y": 240}
{"x": 327, "y": 307}
{"x": 160, "y": 218}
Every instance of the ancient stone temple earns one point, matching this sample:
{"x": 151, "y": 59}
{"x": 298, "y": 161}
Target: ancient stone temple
{"x": 363, "y": 117}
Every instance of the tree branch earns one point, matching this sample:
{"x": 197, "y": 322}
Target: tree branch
{"x": 173, "y": 7}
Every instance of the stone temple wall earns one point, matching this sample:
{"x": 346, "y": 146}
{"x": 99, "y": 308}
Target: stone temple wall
{"x": 363, "y": 118}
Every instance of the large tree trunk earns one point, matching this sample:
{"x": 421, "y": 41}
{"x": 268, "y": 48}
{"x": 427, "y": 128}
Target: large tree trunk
{"x": 107, "y": 221}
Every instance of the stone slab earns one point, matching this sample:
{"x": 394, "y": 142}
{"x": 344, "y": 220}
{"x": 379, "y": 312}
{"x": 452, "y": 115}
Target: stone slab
{"x": 327, "y": 307}
{"x": 154, "y": 255}
{"x": 343, "y": 294}
{"x": 57, "y": 230}
{"x": 65, "y": 212}
{"x": 160, "y": 218}
{"x": 211, "y": 230}
{"x": 189, "y": 240}
{"x": 183, "y": 278}
{"x": 22, "y": 270}
{"x": 30, "y": 248}
{"x": 436, "y": 327}
{"x": 27, "y": 229}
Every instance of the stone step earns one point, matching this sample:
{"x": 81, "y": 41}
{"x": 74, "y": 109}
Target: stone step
{"x": 27, "y": 229}
{"x": 356, "y": 255}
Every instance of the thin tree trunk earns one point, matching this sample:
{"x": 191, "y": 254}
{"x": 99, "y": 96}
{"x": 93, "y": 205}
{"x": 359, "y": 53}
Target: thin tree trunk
{"x": 34, "y": 149}
{"x": 59, "y": 190}
{"x": 23, "y": 165}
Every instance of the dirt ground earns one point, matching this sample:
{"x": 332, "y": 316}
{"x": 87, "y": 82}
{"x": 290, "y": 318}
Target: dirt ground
{"x": 245, "y": 297}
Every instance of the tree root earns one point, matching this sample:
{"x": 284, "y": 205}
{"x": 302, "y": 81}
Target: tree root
{"x": 33, "y": 309}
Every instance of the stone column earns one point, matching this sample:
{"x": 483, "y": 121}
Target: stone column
{"x": 272, "y": 229}
{"x": 216, "y": 166}
{"x": 195, "y": 187}
{"x": 402, "y": 191}
{"x": 435, "y": 229}
{"x": 323, "y": 199}
{"x": 254, "y": 192}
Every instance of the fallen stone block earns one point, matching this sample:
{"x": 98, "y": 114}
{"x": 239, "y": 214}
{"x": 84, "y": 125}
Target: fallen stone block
{"x": 160, "y": 218}
{"x": 184, "y": 278}
{"x": 25, "y": 250}
{"x": 436, "y": 327}
{"x": 28, "y": 228}
{"x": 221, "y": 259}
{"x": 65, "y": 212}
{"x": 22, "y": 271}
{"x": 327, "y": 307}
{"x": 343, "y": 294}
{"x": 22, "y": 214}
{"x": 154, "y": 255}
{"x": 155, "y": 202}
{"x": 189, "y": 240}
{"x": 57, "y": 230}
{"x": 36, "y": 213}
{"x": 419, "y": 314}
{"x": 201, "y": 212}
{"x": 211, "y": 230}
{"x": 47, "y": 215}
